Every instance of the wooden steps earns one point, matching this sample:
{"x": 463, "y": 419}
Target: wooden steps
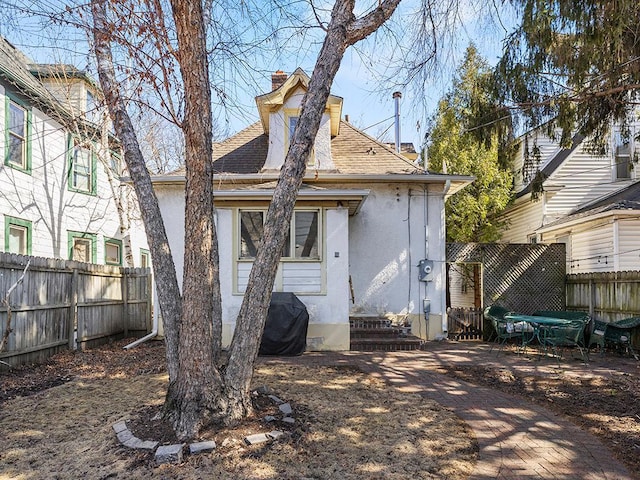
{"x": 372, "y": 333}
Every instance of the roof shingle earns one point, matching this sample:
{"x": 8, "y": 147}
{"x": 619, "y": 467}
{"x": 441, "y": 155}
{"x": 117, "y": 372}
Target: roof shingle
{"x": 353, "y": 152}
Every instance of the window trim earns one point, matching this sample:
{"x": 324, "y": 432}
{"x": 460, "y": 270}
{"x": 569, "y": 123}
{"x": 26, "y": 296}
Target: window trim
{"x": 18, "y": 222}
{"x": 73, "y": 143}
{"x": 283, "y": 259}
{"x": 26, "y": 167}
{"x": 144, "y": 252}
{"x": 118, "y": 243}
{"x": 92, "y": 237}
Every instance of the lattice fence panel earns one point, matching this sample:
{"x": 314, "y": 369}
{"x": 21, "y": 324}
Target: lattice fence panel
{"x": 521, "y": 277}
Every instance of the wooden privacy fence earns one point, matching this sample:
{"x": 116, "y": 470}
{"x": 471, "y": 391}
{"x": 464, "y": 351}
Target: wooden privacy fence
{"x": 63, "y": 304}
{"x": 607, "y": 296}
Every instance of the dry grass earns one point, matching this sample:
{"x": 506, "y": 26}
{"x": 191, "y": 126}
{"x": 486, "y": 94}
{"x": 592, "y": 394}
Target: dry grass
{"x": 355, "y": 427}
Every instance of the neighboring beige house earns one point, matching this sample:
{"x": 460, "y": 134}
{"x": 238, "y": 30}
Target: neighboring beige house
{"x": 364, "y": 218}
{"x": 60, "y": 188}
{"x": 588, "y": 202}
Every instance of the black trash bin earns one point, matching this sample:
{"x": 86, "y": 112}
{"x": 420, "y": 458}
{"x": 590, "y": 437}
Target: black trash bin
{"x": 285, "y": 332}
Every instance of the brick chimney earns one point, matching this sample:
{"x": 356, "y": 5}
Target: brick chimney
{"x": 277, "y": 79}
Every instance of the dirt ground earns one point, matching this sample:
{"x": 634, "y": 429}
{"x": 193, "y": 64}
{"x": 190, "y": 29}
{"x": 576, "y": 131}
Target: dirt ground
{"x": 56, "y": 424}
{"x": 56, "y": 418}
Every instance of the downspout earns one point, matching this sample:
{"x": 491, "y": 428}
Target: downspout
{"x": 154, "y": 332}
{"x": 445, "y": 320}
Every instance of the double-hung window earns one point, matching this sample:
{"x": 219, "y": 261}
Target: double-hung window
{"x": 113, "y": 251}
{"x": 301, "y": 269}
{"x": 145, "y": 258}
{"x": 17, "y": 235}
{"x": 17, "y": 151}
{"x": 303, "y": 237}
{"x": 82, "y": 247}
{"x": 82, "y": 168}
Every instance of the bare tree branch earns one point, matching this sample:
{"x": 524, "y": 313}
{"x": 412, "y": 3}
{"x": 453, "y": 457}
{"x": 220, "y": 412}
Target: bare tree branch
{"x": 5, "y": 302}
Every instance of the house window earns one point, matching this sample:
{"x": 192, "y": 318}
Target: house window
{"x": 623, "y": 141}
{"x": 622, "y": 167}
{"x": 303, "y": 237}
{"x": 251, "y": 228}
{"x": 17, "y": 236}
{"x": 113, "y": 251}
{"x": 114, "y": 163}
{"x": 17, "y": 136}
{"x": 291, "y": 122}
{"x": 83, "y": 168}
{"x": 305, "y": 227}
{"x": 532, "y": 238}
{"x": 145, "y": 258}
{"x": 82, "y": 247}
{"x": 92, "y": 109}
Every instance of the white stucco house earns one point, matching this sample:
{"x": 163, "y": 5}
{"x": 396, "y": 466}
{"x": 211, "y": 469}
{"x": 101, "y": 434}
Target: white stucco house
{"x": 589, "y": 201}
{"x": 60, "y": 170}
{"x": 364, "y": 218}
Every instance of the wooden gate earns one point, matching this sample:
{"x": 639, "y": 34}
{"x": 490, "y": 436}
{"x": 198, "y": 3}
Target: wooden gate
{"x": 465, "y": 323}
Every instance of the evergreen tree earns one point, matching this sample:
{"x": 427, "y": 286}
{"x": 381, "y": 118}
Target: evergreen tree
{"x": 461, "y": 142}
{"x": 573, "y": 66}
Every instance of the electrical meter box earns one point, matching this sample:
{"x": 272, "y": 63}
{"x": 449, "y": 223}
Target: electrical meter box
{"x": 425, "y": 270}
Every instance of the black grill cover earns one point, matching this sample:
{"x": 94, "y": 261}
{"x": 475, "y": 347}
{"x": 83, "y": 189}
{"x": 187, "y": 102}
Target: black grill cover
{"x": 285, "y": 332}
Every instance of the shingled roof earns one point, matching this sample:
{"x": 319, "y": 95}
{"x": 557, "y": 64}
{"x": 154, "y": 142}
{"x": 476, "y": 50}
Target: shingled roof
{"x": 353, "y": 152}
{"x": 15, "y": 70}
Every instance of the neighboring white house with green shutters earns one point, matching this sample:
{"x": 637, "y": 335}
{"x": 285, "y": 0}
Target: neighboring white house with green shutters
{"x": 364, "y": 218}
{"x": 56, "y": 199}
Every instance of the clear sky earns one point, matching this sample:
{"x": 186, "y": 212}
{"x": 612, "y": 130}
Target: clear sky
{"x": 360, "y": 81}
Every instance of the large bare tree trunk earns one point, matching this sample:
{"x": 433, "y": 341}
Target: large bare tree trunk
{"x": 344, "y": 30}
{"x": 198, "y": 392}
{"x": 165, "y": 272}
{"x": 193, "y": 397}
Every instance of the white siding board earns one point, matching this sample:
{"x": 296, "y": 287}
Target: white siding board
{"x": 584, "y": 177}
{"x": 592, "y": 249}
{"x": 460, "y": 298}
{"x": 629, "y": 243}
{"x": 522, "y": 222}
{"x": 303, "y": 277}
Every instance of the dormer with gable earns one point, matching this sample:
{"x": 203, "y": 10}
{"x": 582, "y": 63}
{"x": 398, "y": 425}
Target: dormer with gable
{"x": 279, "y": 112}
{"x": 73, "y": 88}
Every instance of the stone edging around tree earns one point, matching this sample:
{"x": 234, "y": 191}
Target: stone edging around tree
{"x": 175, "y": 453}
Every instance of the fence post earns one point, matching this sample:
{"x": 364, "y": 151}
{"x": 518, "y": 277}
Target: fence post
{"x": 125, "y": 300}
{"x": 73, "y": 316}
{"x": 592, "y": 298}
{"x": 149, "y": 279}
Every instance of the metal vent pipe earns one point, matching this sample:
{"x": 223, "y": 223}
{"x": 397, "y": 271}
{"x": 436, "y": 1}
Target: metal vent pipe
{"x": 397, "y": 96}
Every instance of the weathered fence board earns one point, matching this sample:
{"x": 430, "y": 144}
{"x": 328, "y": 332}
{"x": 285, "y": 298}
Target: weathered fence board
{"x": 63, "y": 304}
{"x": 465, "y": 323}
{"x": 607, "y": 296}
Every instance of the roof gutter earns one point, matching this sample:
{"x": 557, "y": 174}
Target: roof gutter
{"x": 587, "y": 219}
{"x": 455, "y": 182}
